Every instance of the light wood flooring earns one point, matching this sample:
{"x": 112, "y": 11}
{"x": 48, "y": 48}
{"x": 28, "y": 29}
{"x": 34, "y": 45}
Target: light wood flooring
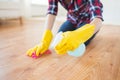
{"x": 101, "y": 60}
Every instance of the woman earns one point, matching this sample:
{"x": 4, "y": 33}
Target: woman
{"x": 84, "y": 19}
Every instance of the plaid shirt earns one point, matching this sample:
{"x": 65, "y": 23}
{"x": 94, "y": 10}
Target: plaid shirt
{"x": 79, "y": 11}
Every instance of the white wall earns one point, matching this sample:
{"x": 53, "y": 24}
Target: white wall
{"x": 41, "y": 2}
{"x": 38, "y": 10}
{"x": 26, "y": 8}
{"x": 10, "y": 9}
{"x": 111, "y": 11}
{"x": 14, "y": 8}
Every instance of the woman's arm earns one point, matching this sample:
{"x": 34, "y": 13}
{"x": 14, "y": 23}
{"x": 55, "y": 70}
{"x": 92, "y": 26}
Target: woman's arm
{"x": 96, "y": 9}
{"x": 50, "y": 21}
{"x": 98, "y": 24}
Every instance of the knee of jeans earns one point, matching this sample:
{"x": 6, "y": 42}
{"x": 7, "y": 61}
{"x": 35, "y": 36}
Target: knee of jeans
{"x": 80, "y": 25}
{"x": 67, "y": 26}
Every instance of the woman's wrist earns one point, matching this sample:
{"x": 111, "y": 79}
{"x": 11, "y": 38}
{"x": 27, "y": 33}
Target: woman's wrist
{"x": 98, "y": 24}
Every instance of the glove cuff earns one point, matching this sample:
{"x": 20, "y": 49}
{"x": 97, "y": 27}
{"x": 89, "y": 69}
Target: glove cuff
{"x": 47, "y": 36}
{"x": 85, "y": 32}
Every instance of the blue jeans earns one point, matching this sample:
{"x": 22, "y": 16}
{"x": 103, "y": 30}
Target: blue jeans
{"x": 68, "y": 26}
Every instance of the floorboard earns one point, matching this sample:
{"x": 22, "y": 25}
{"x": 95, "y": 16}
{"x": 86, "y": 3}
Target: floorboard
{"x": 101, "y": 60}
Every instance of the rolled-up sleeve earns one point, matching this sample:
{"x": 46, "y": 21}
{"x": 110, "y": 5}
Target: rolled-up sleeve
{"x": 96, "y": 9}
{"x": 53, "y": 7}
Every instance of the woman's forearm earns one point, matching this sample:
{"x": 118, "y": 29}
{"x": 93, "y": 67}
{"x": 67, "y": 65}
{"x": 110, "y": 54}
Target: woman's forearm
{"x": 50, "y": 21}
{"x": 98, "y": 24}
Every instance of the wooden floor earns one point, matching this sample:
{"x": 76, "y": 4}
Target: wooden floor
{"x": 101, "y": 60}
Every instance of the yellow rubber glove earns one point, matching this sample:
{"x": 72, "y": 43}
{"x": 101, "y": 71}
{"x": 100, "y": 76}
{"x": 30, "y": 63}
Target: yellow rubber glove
{"x": 72, "y": 39}
{"x": 44, "y": 45}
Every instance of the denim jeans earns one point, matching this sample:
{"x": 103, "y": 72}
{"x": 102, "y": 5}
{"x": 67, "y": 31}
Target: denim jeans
{"x": 68, "y": 26}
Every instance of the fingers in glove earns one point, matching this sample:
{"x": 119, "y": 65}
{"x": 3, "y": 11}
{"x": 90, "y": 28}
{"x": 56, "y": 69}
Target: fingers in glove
{"x": 43, "y": 50}
{"x": 30, "y": 51}
{"x": 38, "y": 51}
{"x": 62, "y": 50}
{"x": 61, "y": 44}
